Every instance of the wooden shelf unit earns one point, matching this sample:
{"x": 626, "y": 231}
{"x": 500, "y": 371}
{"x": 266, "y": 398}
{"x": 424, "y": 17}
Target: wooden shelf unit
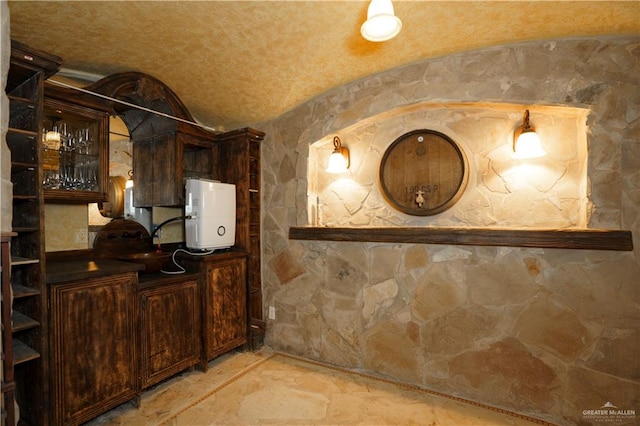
{"x": 25, "y": 89}
{"x": 237, "y": 154}
{"x": 8, "y": 384}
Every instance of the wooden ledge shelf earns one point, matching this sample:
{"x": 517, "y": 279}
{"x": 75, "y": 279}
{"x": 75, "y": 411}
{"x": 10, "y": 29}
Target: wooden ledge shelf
{"x": 588, "y": 239}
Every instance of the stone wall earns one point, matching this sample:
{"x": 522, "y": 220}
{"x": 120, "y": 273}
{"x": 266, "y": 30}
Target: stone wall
{"x": 545, "y": 332}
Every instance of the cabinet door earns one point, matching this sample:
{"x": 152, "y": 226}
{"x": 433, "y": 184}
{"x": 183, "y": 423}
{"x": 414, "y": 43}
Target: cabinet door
{"x": 170, "y": 330}
{"x": 75, "y": 153}
{"x": 161, "y": 163}
{"x": 156, "y": 172}
{"x": 225, "y": 325}
{"x": 93, "y": 346}
{"x": 143, "y": 173}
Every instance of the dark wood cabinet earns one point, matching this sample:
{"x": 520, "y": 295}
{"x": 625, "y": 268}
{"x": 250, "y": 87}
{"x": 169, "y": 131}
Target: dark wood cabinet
{"x": 161, "y": 164}
{"x": 223, "y": 293}
{"x": 75, "y": 152}
{"x": 83, "y": 347}
{"x": 224, "y": 306}
{"x": 25, "y": 89}
{"x": 170, "y": 330}
{"x": 167, "y": 151}
{"x": 237, "y": 159}
{"x": 93, "y": 342}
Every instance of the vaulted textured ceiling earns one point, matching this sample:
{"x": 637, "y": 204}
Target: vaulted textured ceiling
{"x": 239, "y": 63}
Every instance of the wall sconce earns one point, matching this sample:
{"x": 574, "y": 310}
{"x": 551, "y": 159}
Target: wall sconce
{"x": 339, "y": 160}
{"x": 129, "y": 208}
{"x": 381, "y": 23}
{"x": 526, "y": 143}
{"x": 129, "y": 183}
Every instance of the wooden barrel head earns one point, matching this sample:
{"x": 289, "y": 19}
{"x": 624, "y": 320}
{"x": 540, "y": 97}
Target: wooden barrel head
{"x": 423, "y": 173}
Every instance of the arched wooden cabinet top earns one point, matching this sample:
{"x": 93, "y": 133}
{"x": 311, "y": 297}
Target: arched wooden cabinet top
{"x": 144, "y": 91}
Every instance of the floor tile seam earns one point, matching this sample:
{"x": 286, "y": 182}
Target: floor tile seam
{"x": 417, "y": 388}
{"x": 218, "y": 388}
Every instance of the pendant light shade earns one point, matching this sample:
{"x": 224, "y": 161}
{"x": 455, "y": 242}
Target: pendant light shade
{"x": 381, "y": 23}
{"x": 526, "y": 143}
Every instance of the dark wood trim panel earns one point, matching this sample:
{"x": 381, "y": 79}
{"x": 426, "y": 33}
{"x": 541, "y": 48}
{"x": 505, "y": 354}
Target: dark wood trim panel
{"x": 589, "y": 239}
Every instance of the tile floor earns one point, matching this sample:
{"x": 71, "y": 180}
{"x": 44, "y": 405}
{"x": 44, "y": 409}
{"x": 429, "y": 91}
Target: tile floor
{"x": 271, "y": 388}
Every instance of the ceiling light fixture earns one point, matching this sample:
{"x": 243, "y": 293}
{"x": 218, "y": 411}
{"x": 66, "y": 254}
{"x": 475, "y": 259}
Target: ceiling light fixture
{"x": 526, "y": 143}
{"x": 339, "y": 160}
{"x": 381, "y": 23}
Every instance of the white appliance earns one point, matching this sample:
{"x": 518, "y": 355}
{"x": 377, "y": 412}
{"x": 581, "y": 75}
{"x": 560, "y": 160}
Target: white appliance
{"x": 139, "y": 214}
{"x": 210, "y": 214}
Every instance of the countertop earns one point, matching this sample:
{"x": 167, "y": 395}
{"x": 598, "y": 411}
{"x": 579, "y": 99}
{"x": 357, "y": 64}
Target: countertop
{"x": 59, "y": 271}
{"x": 84, "y": 266}
{"x": 211, "y": 256}
{"x": 158, "y": 279}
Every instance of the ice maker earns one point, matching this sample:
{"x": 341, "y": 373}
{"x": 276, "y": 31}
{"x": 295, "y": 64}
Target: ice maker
{"x": 210, "y": 214}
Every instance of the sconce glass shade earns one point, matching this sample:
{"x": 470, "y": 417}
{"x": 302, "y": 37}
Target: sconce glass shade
{"x": 339, "y": 160}
{"x": 129, "y": 183}
{"x": 526, "y": 142}
{"x": 381, "y": 23}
